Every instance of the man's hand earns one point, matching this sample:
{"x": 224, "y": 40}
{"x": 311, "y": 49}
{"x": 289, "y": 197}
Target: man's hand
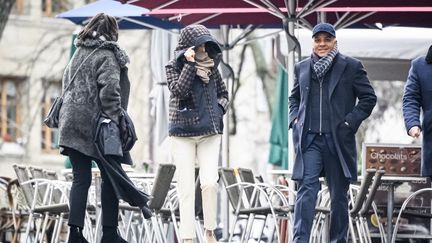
{"x": 414, "y": 132}
{"x": 190, "y": 54}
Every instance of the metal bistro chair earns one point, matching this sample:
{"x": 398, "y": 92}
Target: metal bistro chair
{"x": 283, "y": 212}
{"x": 403, "y": 211}
{"x": 51, "y": 223}
{"x": 6, "y": 216}
{"x": 38, "y": 173}
{"x": 244, "y": 209}
{"x": 18, "y": 209}
{"x": 322, "y": 214}
{"x": 42, "y": 207}
{"x": 159, "y": 192}
{"x": 368, "y": 204}
{"x": 361, "y": 199}
{"x": 52, "y": 175}
{"x": 149, "y": 230}
{"x": 170, "y": 215}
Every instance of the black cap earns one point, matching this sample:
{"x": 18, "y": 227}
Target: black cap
{"x": 324, "y": 27}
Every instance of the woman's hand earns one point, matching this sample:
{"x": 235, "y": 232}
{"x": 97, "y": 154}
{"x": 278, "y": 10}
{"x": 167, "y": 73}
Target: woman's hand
{"x": 190, "y": 54}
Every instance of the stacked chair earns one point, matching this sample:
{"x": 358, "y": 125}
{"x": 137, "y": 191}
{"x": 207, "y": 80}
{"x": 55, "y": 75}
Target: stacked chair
{"x": 47, "y": 208}
{"x": 361, "y": 201}
{"x": 16, "y": 214}
{"x": 262, "y": 211}
{"x": 7, "y": 222}
{"x": 253, "y": 201}
{"x": 403, "y": 211}
{"x": 133, "y": 226}
{"x": 163, "y": 203}
{"x": 47, "y": 203}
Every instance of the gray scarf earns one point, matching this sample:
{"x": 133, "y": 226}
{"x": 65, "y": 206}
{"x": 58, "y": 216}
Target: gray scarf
{"x": 323, "y": 64}
{"x": 204, "y": 64}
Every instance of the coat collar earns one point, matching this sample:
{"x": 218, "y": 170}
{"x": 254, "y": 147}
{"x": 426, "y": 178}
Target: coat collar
{"x": 120, "y": 54}
{"x": 335, "y": 75}
{"x": 336, "y": 72}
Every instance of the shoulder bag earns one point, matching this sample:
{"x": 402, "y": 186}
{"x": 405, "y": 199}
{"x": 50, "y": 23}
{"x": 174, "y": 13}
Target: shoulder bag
{"x": 52, "y": 119}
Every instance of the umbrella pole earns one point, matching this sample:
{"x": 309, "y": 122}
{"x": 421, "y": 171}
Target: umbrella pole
{"x": 225, "y": 216}
{"x": 293, "y": 45}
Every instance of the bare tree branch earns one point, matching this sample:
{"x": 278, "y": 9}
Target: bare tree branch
{"x": 267, "y": 73}
{"x": 236, "y": 87}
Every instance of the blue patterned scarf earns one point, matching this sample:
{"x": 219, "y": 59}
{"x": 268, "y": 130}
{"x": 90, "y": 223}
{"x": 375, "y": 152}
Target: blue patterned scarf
{"x": 323, "y": 64}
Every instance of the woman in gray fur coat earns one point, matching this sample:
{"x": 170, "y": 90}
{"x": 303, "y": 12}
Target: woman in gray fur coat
{"x": 91, "y": 85}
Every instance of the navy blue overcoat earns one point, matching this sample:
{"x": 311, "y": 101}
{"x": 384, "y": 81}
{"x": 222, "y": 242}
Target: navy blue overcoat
{"x": 418, "y": 95}
{"x": 352, "y": 100}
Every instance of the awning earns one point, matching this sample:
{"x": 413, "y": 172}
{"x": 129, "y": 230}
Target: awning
{"x": 128, "y": 16}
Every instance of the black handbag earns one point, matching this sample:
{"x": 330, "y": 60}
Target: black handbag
{"x": 127, "y": 131}
{"x": 52, "y": 119}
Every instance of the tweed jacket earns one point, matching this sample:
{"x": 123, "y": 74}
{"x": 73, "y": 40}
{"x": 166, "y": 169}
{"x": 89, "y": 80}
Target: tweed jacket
{"x": 96, "y": 89}
{"x": 196, "y": 108}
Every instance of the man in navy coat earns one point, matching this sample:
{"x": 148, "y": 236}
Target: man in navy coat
{"x": 418, "y": 95}
{"x": 330, "y": 98}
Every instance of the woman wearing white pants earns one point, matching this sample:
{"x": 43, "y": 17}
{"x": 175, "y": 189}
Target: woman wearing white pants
{"x": 198, "y": 101}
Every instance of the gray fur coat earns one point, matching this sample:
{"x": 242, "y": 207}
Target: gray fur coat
{"x": 96, "y": 88}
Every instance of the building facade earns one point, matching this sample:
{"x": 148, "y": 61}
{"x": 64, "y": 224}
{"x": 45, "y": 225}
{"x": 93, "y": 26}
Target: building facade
{"x": 34, "y": 50}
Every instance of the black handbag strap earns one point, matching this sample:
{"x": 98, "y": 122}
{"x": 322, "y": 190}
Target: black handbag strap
{"x": 79, "y": 67}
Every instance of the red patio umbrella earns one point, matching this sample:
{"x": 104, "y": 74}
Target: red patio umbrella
{"x": 343, "y": 13}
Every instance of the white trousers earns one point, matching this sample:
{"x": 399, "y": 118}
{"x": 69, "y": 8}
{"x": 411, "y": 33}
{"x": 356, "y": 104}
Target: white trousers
{"x": 185, "y": 152}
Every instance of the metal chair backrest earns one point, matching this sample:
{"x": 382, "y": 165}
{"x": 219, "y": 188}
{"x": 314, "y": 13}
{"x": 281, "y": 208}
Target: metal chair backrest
{"x": 57, "y": 194}
{"x": 371, "y": 195}
{"x": 229, "y": 178}
{"x": 361, "y": 195}
{"x": 38, "y": 173}
{"x": 51, "y": 175}
{"x": 161, "y": 185}
{"x": 22, "y": 176}
{"x": 259, "y": 178}
{"x": 4, "y": 203}
{"x": 247, "y": 175}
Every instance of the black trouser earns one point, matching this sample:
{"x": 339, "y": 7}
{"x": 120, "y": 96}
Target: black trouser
{"x": 82, "y": 177}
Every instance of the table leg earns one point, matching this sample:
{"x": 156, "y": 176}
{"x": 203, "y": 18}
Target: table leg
{"x": 390, "y": 206}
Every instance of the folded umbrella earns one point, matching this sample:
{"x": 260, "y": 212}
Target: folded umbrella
{"x": 109, "y": 148}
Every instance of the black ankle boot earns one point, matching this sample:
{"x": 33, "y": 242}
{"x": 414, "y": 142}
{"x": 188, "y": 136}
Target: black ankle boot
{"x": 75, "y": 235}
{"x": 110, "y": 235}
